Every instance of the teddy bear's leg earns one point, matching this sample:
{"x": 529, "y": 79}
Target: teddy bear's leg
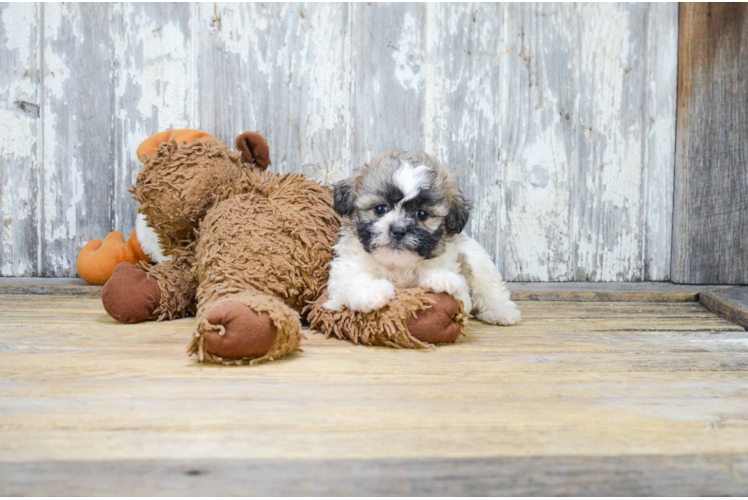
{"x": 161, "y": 291}
{"x": 243, "y": 326}
{"x": 415, "y": 318}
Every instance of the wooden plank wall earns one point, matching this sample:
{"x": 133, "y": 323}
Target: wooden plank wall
{"x": 711, "y": 177}
{"x": 559, "y": 119}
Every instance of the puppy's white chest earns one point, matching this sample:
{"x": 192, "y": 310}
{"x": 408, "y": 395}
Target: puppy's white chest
{"x": 400, "y": 278}
{"x": 402, "y": 281}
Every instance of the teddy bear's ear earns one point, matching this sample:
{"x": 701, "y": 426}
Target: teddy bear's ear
{"x": 254, "y": 149}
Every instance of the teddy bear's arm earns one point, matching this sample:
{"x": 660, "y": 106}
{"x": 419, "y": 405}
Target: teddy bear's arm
{"x": 416, "y": 318}
{"x": 177, "y": 286}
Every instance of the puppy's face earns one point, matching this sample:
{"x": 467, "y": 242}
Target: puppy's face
{"x": 403, "y": 206}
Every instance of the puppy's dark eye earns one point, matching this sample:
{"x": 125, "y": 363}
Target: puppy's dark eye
{"x": 380, "y": 210}
{"x": 422, "y": 215}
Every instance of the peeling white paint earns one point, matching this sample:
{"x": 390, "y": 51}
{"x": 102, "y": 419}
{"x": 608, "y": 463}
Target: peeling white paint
{"x": 405, "y": 53}
{"x": 241, "y": 29}
{"x": 18, "y": 21}
{"x": 17, "y": 134}
{"x": 559, "y": 119}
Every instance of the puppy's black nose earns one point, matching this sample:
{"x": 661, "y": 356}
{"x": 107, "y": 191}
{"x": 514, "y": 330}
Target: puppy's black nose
{"x": 397, "y": 232}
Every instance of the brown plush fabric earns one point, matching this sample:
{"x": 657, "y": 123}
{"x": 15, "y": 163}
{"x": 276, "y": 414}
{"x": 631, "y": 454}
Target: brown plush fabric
{"x": 389, "y": 325}
{"x": 285, "y": 320}
{"x": 131, "y": 294}
{"x": 254, "y": 149}
{"x": 177, "y": 286}
{"x": 247, "y": 334}
{"x": 437, "y": 324}
{"x": 260, "y": 240}
{"x": 270, "y": 241}
{"x": 273, "y": 233}
{"x": 179, "y": 183}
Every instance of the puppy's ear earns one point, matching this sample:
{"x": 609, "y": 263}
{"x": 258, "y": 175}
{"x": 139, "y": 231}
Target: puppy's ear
{"x": 459, "y": 209}
{"x": 344, "y": 197}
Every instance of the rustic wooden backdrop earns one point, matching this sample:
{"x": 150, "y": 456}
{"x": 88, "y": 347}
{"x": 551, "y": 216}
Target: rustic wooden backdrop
{"x": 710, "y": 227}
{"x": 559, "y": 119}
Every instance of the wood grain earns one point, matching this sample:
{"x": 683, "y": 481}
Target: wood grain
{"x": 234, "y": 69}
{"x": 711, "y": 214}
{"x": 560, "y": 387}
{"x": 609, "y": 292}
{"x": 586, "y": 161}
{"x": 388, "y": 60}
{"x": 558, "y": 119}
{"x": 154, "y": 86}
{"x": 728, "y": 303}
{"x": 76, "y": 192}
{"x": 714, "y": 475}
{"x": 461, "y": 125}
{"x": 20, "y": 139}
{"x": 549, "y": 292}
{"x": 312, "y": 90}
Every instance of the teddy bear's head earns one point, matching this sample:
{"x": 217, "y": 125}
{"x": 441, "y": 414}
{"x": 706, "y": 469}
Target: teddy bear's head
{"x": 180, "y": 182}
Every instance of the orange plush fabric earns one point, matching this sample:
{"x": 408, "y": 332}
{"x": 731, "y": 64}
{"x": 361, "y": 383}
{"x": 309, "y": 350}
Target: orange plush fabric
{"x": 97, "y": 260}
{"x": 182, "y": 136}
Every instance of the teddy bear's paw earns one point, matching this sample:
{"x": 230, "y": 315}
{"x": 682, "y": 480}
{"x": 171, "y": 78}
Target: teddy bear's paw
{"x": 248, "y": 334}
{"x": 131, "y": 294}
{"x": 436, "y": 324}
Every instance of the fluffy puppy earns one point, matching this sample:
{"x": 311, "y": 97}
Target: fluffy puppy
{"x": 403, "y": 216}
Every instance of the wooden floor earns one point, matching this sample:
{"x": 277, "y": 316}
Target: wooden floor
{"x": 580, "y": 398}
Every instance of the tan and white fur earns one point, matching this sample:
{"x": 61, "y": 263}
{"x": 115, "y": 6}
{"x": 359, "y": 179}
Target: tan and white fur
{"x": 403, "y": 216}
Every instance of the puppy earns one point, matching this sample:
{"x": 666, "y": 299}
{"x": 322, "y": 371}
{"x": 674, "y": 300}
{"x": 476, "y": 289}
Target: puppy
{"x": 403, "y": 217}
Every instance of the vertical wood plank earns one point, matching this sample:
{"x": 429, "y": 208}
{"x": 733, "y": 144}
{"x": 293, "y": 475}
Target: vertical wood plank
{"x": 77, "y": 111}
{"x": 155, "y": 88}
{"x": 235, "y": 62}
{"x": 312, "y": 90}
{"x": 461, "y": 74}
{"x": 589, "y": 163}
{"x": 610, "y": 171}
{"x": 660, "y": 85}
{"x": 538, "y": 94}
{"x": 710, "y": 221}
{"x": 19, "y": 138}
{"x": 388, "y": 57}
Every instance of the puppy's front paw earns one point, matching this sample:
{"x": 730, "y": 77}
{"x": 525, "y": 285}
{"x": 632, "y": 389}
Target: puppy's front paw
{"x": 371, "y": 296}
{"x": 507, "y": 315}
{"x": 443, "y": 282}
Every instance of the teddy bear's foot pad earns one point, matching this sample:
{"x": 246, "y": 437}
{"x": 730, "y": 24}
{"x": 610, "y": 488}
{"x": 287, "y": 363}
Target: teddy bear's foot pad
{"x": 436, "y": 324}
{"x": 131, "y": 294}
{"x": 248, "y": 334}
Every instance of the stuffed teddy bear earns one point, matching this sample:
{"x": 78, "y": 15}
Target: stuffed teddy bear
{"x": 248, "y": 252}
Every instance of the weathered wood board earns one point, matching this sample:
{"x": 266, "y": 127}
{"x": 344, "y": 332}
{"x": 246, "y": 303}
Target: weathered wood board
{"x": 20, "y": 139}
{"x": 558, "y": 119}
{"x": 520, "y": 291}
{"x": 710, "y": 476}
{"x": 606, "y": 398}
{"x": 729, "y": 303}
{"x": 711, "y": 177}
